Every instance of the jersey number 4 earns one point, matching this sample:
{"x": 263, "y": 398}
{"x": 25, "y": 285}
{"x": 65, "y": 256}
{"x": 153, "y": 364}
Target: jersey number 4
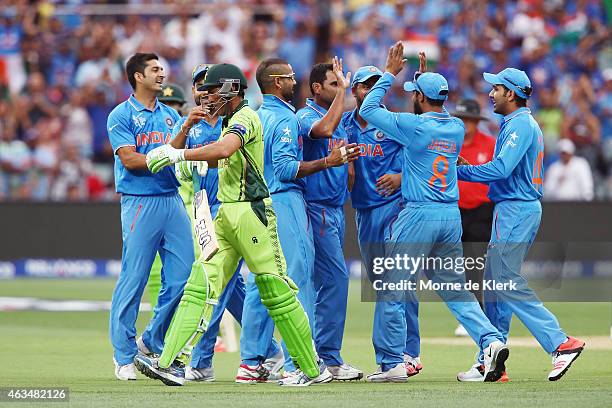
{"x": 440, "y": 170}
{"x": 536, "y": 179}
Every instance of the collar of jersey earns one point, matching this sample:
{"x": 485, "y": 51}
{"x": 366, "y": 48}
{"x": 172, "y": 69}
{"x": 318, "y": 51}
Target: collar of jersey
{"x": 437, "y": 115}
{"x": 353, "y": 119}
{"x": 139, "y": 106}
{"x": 242, "y": 105}
{"x": 273, "y": 99}
{"x": 514, "y": 114}
{"x": 315, "y": 107}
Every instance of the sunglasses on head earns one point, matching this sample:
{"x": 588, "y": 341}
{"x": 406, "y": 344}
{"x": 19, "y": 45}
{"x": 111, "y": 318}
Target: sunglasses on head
{"x": 526, "y": 90}
{"x": 291, "y": 75}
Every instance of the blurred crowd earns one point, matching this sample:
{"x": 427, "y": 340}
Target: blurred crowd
{"x": 61, "y": 69}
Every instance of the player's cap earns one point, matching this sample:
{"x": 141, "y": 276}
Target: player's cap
{"x": 566, "y": 146}
{"x": 198, "y": 72}
{"x": 171, "y": 93}
{"x": 513, "y": 79}
{"x": 365, "y": 73}
{"x": 430, "y": 84}
{"x": 468, "y": 109}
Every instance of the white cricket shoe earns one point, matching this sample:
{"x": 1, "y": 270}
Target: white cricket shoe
{"x": 495, "y": 356}
{"x": 200, "y": 374}
{"x": 248, "y": 374}
{"x": 142, "y": 347}
{"x": 564, "y": 356}
{"x": 302, "y": 380}
{"x": 474, "y": 374}
{"x": 345, "y": 372}
{"x": 413, "y": 365}
{"x": 396, "y": 374}
{"x": 274, "y": 365}
{"x": 461, "y": 332}
{"x": 125, "y": 372}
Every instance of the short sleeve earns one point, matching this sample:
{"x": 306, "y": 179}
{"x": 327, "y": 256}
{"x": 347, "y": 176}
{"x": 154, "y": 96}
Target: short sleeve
{"x": 307, "y": 118}
{"x": 119, "y": 132}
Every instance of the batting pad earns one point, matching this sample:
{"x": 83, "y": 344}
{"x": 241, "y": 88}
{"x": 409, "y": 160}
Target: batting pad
{"x": 191, "y": 318}
{"x": 278, "y": 296}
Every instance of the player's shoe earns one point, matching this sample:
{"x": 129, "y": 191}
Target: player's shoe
{"x": 476, "y": 374}
{"x": 149, "y": 366}
{"x": 248, "y": 374}
{"x": 413, "y": 365}
{"x": 395, "y": 374}
{"x": 345, "y": 372}
{"x": 200, "y": 374}
{"x": 495, "y": 356}
{"x": 274, "y": 365}
{"x": 125, "y": 372}
{"x": 302, "y": 380}
{"x": 461, "y": 332}
{"x": 564, "y": 356}
{"x": 142, "y": 347}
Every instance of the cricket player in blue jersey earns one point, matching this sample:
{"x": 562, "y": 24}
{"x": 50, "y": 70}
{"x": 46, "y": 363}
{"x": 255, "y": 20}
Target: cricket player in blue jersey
{"x": 376, "y": 198}
{"x": 325, "y": 194}
{"x": 284, "y": 170}
{"x": 196, "y": 130}
{"x": 430, "y": 225}
{"x": 153, "y": 216}
{"x": 515, "y": 185}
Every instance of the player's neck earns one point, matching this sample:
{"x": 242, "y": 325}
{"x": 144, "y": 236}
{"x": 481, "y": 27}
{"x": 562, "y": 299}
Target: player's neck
{"x": 469, "y": 138}
{"x": 322, "y": 103}
{"x": 146, "y": 98}
{"x": 362, "y": 122}
{"x": 511, "y": 110}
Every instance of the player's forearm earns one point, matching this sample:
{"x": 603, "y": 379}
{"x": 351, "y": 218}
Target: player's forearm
{"x": 371, "y": 109}
{"x": 180, "y": 139}
{"x": 485, "y": 173}
{"x": 132, "y": 160}
{"x": 311, "y": 167}
{"x": 211, "y": 152}
{"x": 326, "y": 126}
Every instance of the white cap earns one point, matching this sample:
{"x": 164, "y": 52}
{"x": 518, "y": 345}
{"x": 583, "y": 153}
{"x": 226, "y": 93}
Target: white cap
{"x": 566, "y": 146}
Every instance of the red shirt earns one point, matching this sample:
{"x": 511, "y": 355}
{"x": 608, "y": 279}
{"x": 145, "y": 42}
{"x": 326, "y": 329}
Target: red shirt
{"x": 478, "y": 151}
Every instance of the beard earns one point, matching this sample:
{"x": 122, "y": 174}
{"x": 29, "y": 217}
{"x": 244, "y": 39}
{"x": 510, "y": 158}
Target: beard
{"x": 288, "y": 94}
{"x": 417, "y": 108}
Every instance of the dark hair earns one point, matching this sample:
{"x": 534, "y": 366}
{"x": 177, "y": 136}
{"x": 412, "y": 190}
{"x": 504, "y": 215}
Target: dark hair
{"x": 137, "y": 63}
{"x": 318, "y": 74}
{"x": 435, "y": 102}
{"x": 520, "y": 102}
{"x": 263, "y": 72}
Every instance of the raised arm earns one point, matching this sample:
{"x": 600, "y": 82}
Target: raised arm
{"x": 325, "y": 127}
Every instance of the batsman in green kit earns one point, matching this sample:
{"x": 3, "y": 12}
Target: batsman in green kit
{"x": 245, "y": 227}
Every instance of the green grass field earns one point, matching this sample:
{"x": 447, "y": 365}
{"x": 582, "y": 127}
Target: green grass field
{"x": 71, "y": 349}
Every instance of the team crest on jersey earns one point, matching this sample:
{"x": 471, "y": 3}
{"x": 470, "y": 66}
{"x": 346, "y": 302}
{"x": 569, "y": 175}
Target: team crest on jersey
{"x": 379, "y": 135}
{"x": 139, "y": 120}
{"x": 169, "y": 122}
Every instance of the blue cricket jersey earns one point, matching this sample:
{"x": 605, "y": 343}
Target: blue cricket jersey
{"x": 283, "y": 149}
{"x": 516, "y": 171}
{"x": 379, "y": 155}
{"x": 328, "y": 187}
{"x": 131, "y": 124}
{"x": 430, "y": 144}
{"x": 201, "y": 134}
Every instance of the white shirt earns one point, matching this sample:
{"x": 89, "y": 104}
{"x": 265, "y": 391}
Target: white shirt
{"x": 569, "y": 182}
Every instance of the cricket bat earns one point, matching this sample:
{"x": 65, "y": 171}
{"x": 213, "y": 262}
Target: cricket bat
{"x": 203, "y": 226}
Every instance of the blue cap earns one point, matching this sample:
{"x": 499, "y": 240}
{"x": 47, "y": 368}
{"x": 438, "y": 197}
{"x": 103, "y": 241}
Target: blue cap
{"x": 365, "y": 73}
{"x": 430, "y": 84}
{"x": 198, "y": 71}
{"x": 513, "y": 79}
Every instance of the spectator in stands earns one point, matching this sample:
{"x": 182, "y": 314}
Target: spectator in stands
{"x": 569, "y": 178}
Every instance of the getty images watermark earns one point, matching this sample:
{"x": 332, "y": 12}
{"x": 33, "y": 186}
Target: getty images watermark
{"x": 397, "y": 274}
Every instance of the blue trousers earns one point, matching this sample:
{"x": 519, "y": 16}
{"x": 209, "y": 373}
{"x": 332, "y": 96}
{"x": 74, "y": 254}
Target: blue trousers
{"x": 331, "y": 280}
{"x": 374, "y": 226}
{"x": 515, "y": 225}
{"x": 149, "y": 224}
{"x": 295, "y": 235}
{"x": 431, "y": 230}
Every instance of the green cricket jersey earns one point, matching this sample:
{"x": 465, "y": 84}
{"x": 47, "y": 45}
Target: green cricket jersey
{"x": 241, "y": 175}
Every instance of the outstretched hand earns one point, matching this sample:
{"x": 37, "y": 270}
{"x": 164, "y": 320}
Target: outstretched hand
{"x": 395, "y": 58}
{"x": 343, "y": 82}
